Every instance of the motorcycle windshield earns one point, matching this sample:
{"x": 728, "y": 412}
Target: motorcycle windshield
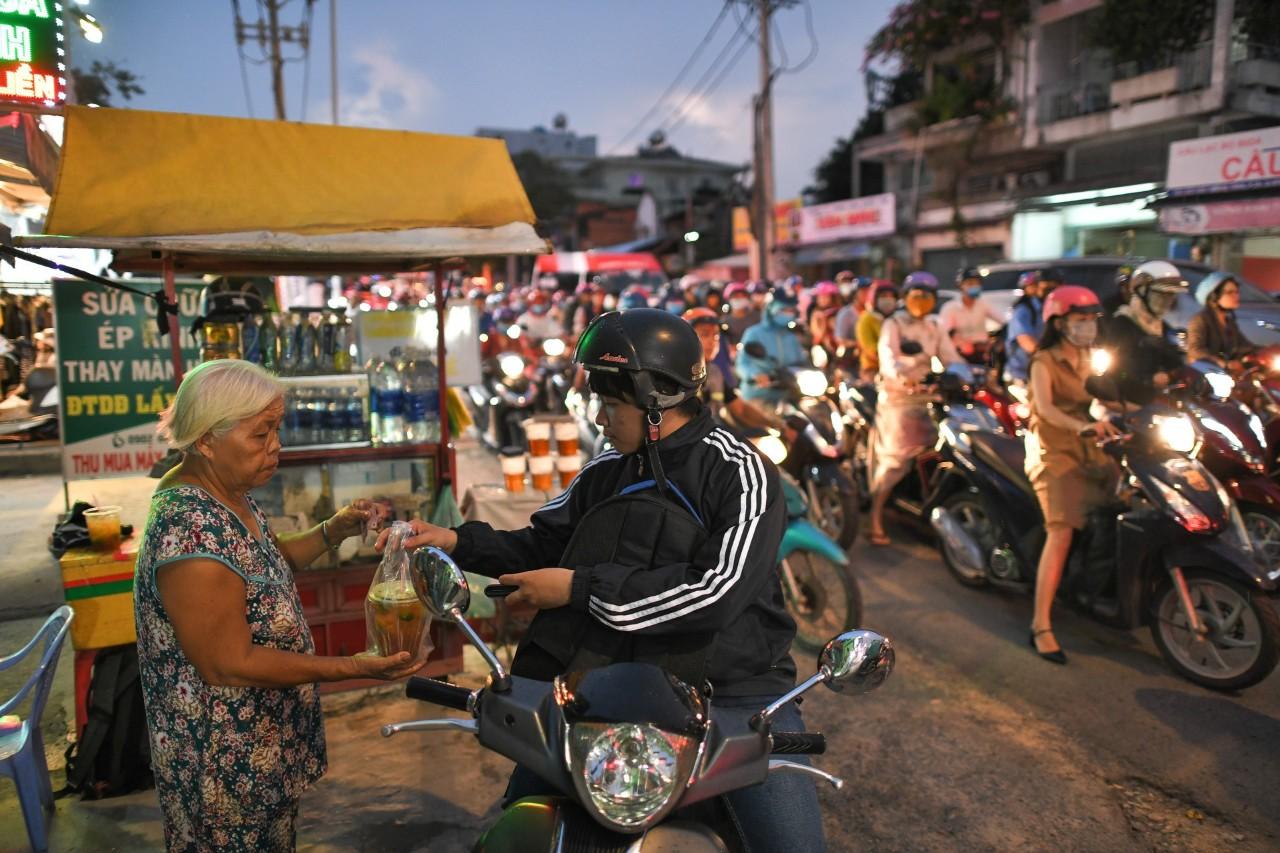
{"x": 632, "y": 693}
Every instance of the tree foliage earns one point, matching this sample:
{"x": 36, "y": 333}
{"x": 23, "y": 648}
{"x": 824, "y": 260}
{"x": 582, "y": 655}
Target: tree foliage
{"x": 1151, "y": 35}
{"x": 1260, "y": 21}
{"x": 103, "y": 81}
{"x": 918, "y": 29}
{"x": 549, "y": 187}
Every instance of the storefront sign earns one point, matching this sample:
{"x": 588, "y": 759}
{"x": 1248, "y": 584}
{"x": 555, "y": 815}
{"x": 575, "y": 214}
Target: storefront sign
{"x": 1235, "y": 161}
{"x": 1221, "y": 217}
{"x": 115, "y": 375}
{"x": 32, "y": 57}
{"x": 786, "y": 225}
{"x": 851, "y": 219}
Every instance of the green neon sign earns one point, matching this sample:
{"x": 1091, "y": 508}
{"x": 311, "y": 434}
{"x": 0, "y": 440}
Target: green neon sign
{"x": 33, "y": 54}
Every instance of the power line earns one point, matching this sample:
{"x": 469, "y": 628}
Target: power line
{"x": 244, "y": 74}
{"x": 715, "y": 84}
{"x": 682, "y": 109}
{"x": 813, "y": 44}
{"x": 697, "y": 52}
{"x": 306, "y": 60}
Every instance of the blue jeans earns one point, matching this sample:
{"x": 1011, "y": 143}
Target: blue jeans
{"x": 781, "y": 815}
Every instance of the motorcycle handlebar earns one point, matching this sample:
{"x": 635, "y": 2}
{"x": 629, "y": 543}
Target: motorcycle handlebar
{"x": 438, "y": 692}
{"x": 798, "y": 743}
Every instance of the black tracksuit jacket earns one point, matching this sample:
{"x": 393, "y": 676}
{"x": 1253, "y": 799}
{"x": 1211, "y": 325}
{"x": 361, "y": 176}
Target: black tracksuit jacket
{"x": 731, "y": 587}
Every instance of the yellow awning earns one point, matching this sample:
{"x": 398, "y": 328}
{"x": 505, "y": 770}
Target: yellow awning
{"x": 232, "y": 190}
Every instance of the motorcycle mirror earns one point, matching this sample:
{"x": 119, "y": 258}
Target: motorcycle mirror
{"x": 755, "y": 349}
{"x": 853, "y": 662}
{"x": 443, "y": 588}
{"x": 439, "y": 583}
{"x": 856, "y": 662}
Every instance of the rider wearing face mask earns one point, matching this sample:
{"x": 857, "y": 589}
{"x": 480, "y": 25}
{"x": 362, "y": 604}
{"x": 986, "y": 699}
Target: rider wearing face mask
{"x": 883, "y": 302}
{"x": 1213, "y": 334}
{"x": 1070, "y": 474}
{"x": 970, "y": 319}
{"x": 777, "y": 334}
{"x": 1143, "y": 346}
{"x": 742, "y": 314}
{"x": 911, "y": 342}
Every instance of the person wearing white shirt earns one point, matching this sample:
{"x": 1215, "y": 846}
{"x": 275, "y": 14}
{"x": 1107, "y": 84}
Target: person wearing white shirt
{"x": 970, "y": 319}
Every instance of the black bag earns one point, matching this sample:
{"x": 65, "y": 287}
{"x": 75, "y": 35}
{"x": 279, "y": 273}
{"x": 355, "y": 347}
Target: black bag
{"x": 113, "y": 754}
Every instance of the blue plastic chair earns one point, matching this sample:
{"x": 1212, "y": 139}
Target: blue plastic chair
{"x": 22, "y": 751}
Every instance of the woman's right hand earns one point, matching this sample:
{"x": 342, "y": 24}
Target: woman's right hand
{"x": 423, "y": 534}
{"x": 389, "y": 668}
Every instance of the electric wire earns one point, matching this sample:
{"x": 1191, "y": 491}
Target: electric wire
{"x": 711, "y": 88}
{"x": 689, "y": 63}
{"x": 742, "y": 39}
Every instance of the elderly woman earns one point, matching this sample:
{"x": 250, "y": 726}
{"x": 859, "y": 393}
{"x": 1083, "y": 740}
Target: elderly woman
{"x": 228, "y": 666}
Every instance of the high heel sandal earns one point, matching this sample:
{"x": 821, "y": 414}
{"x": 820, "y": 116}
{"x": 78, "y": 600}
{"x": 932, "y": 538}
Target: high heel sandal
{"x": 1057, "y": 656}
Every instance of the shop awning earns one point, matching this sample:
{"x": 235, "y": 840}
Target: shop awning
{"x": 240, "y": 195}
{"x": 832, "y": 253}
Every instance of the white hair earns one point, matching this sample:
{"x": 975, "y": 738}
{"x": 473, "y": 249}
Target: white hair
{"x": 214, "y": 397}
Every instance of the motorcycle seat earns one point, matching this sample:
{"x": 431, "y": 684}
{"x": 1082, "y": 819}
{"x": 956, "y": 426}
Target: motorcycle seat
{"x": 1007, "y": 455}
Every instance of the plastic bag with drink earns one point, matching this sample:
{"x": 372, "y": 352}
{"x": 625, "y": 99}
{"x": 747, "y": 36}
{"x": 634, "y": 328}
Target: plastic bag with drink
{"x": 395, "y": 619}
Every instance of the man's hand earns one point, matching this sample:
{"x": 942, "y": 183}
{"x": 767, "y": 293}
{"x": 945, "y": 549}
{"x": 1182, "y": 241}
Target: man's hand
{"x": 763, "y": 380}
{"x": 423, "y": 534}
{"x": 545, "y": 589}
{"x": 1160, "y": 380}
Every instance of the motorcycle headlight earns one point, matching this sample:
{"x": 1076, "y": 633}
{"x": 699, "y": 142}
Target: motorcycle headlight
{"x": 629, "y": 775}
{"x": 553, "y": 347}
{"x": 514, "y": 332}
{"x": 1100, "y": 361}
{"x": 772, "y": 447}
{"x": 812, "y": 383}
{"x": 1176, "y": 431}
{"x": 818, "y": 356}
{"x": 1189, "y": 515}
{"x": 1275, "y": 364}
{"x": 1220, "y": 385}
{"x": 511, "y": 365}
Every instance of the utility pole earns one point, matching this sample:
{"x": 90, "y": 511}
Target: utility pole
{"x": 763, "y": 150}
{"x": 333, "y": 58}
{"x": 271, "y": 36}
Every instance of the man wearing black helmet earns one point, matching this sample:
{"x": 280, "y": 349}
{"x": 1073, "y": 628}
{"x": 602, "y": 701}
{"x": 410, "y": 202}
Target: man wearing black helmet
{"x": 663, "y": 550}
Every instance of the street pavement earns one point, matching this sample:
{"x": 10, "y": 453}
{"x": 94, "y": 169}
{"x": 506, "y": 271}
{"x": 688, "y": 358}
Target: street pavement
{"x": 974, "y": 744}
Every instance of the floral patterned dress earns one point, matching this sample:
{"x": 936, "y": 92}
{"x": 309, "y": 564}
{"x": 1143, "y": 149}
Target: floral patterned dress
{"x": 230, "y": 762}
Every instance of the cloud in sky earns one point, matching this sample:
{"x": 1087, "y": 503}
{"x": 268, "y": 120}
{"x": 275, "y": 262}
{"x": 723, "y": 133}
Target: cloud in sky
{"x": 381, "y": 91}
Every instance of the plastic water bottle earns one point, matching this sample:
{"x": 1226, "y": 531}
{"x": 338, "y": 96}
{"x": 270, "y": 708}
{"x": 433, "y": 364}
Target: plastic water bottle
{"x": 386, "y": 386}
{"x": 421, "y": 398}
{"x": 354, "y": 419}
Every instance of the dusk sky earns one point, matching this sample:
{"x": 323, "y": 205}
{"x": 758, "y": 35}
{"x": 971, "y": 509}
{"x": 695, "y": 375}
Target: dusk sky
{"x": 453, "y": 67}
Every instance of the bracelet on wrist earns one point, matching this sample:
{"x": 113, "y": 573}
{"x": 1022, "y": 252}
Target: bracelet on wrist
{"x": 324, "y": 534}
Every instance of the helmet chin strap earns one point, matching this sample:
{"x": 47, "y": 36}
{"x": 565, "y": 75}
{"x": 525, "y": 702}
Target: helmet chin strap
{"x": 653, "y": 429}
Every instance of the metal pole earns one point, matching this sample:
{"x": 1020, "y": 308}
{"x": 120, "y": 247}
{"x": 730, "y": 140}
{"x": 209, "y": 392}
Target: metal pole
{"x": 444, "y": 451}
{"x": 277, "y": 61}
{"x": 175, "y": 339}
{"x": 764, "y": 131}
{"x": 333, "y": 58}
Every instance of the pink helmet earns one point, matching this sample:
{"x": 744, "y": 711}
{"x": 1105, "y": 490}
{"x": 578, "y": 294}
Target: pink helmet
{"x": 1070, "y": 299}
{"x": 826, "y": 288}
{"x": 736, "y": 288}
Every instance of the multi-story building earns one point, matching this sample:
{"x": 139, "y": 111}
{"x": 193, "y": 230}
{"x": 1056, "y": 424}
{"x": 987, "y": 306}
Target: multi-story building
{"x": 1074, "y": 167}
{"x": 565, "y": 148}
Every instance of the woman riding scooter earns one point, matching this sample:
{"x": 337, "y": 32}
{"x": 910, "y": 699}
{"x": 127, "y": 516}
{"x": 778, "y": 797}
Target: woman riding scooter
{"x": 1214, "y": 335}
{"x": 910, "y": 340}
{"x": 1068, "y": 472}
{"x": 1143, "y": 346}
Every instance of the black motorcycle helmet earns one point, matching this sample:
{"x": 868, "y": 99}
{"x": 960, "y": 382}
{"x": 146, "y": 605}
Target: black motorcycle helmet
{"x": 224, "y": 302}
{"x": 658, "y": 351}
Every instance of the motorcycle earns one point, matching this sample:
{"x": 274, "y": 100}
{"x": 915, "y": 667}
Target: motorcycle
{"x": 821, "y": 592}
{"x": 817, "y": 458}
{"x": 40, "y": 421}
{"x": 640, "y": 758}
{"x": 584, "y": 407}
{"x": 506, "y": 396}
{"x": 554, "y": 374}
{"x": 1172, "y": 553}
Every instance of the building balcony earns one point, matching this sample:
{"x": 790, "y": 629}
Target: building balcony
{"x": 1255, "y": 78}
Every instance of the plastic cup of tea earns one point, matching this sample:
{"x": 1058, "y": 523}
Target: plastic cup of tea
{"x": 541, "y": 469}
{"x": 566, "y": 438}
{"x": 539, "y": 435}
{"x": 568, "y": 467}
{"x": 103, "y": 523}
{"x": 513, "y": 471}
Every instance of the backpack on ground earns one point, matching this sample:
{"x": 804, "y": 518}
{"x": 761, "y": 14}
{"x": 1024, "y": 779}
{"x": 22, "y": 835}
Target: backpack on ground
{"x": 113, "y": 754}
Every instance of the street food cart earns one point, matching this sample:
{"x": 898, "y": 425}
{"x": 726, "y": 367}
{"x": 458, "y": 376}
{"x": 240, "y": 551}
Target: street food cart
{"x": 184, "y": 195}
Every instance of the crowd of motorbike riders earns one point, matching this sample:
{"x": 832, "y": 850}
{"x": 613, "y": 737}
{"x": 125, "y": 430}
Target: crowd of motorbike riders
{"x": 1063, "y": 371}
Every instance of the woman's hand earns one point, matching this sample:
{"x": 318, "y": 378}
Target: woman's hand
{"x": 349, "y": 521}
{"x": 1160, "y": 380}
{"x": 387, "y": 668}
{"x": 423, "y": 534}
{"x": 1101, "y": 430}
{"x": 545, "y": 589}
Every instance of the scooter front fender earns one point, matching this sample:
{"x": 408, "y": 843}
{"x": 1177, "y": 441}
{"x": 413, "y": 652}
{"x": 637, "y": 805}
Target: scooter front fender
{"x": 1257, "y": 489}
{"x": 538, "y": 823}
{"x": 1223, "y": 557}
{"x": 800, "y": 535}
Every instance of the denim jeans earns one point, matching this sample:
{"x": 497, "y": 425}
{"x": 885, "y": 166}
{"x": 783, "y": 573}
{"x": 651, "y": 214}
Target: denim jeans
{"x": 781, "y": 815}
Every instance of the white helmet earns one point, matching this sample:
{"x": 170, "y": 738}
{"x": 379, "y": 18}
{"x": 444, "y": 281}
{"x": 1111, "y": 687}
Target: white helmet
{"x": 1157, "y": 277}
